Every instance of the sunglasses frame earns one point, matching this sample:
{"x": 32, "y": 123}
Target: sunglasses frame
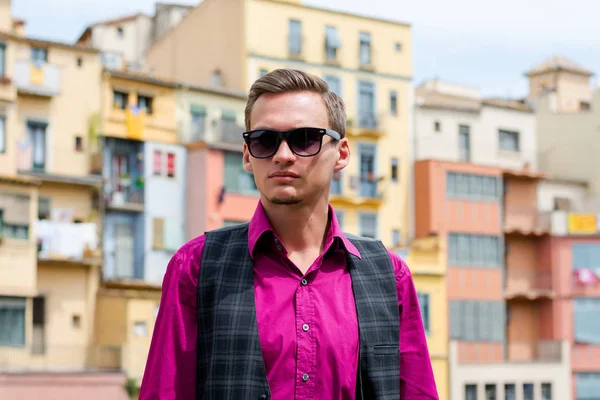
{"x": 284, "y": 135}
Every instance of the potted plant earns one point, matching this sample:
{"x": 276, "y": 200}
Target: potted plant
{"x": 125, "y": 179}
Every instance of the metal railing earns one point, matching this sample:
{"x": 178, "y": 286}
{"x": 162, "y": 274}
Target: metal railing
{"x": 526, "y": 219}
{"x": 43, "y": 80}
{"x": 527, "y": 280}
{"x": 535, "y": 351}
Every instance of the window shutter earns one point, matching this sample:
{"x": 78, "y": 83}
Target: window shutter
{"x": 170, "y": 165}
{"x": 158, "y": 238}
{"x": 157, "y": 165}
{"x": 455, "y": 320}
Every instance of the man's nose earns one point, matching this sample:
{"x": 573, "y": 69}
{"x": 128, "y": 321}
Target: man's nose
{"x": 284, "y": 154}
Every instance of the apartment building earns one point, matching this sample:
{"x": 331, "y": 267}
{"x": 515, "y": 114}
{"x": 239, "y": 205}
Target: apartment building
{"x": 144, "y": 195}
{"x": 50, "y": 220}
{"x": 123, "y": 41}
{"x": 220, "y": 191}
{"x": 475, "y": 184}
{"x": 367, "y": 61}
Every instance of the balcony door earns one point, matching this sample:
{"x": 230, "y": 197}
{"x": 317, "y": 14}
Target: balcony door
{"x": 36, "y": 132}
{"x": 124, "y": 251}
{"x": 368, "y": 183}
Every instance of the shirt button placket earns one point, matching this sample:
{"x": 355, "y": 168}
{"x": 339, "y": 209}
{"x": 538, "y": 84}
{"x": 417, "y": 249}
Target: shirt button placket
{"x": 305, "y": 377}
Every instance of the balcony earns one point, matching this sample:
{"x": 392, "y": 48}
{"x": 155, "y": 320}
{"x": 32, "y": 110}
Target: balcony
{"x": 364, "y": 190}
{"x": 366, "y": 124}
{"x": 544, "y": 351}
{"x": 61, "y": 358}
{"x": 528, "y": 283}
{"x": 68, "y": 243}
{"x": 526, "y": 221}
{"x": 43, "y": 81}
{"x": 126, "y": 199}
{"x": 229, "y": 132}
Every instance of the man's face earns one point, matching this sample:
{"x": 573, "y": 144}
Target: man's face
{"x": 286, "y": 178}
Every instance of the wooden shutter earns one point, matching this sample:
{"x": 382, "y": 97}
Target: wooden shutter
{"x": 158, "y": 238}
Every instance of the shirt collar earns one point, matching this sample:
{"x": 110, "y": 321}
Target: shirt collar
{"x": 260, "y": 225}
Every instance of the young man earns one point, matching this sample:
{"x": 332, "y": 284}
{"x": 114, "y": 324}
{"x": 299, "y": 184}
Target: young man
{"x": 286, "y": 306}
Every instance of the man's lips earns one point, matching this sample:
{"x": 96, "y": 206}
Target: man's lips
{"x": 284, "y": 174}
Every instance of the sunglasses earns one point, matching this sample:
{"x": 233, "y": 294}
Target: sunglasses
{"x": 304, "y": 142}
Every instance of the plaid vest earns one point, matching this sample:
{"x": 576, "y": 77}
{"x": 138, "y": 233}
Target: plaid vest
{"x": 230, "y": 363}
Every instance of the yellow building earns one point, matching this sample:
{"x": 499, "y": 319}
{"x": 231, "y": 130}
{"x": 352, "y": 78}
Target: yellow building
{"x": 144, "y": 175}
{"x": 50, "y": 216}
{"x": 427, "y": 261}
{"x": 367, "y": 61}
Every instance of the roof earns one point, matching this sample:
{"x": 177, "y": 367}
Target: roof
{"x": 112, "y": 21}
{"x": 161, "y": 4}
{"x": 558, "y": 63}
{"x": 20, "y": 180}
{"x": 510, "y": 104}
{"x": 46, "y": 43}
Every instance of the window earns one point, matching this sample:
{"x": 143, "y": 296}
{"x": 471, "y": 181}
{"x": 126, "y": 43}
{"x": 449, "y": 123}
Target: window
{"x": 39, "y": 56}
{"x": 2, "y": 59}
{"x": 508, "y": 140}
{"x": 546, "y": 391}
{"x": 468, "y": 250}
{"x": 171, "y": 165}
{"x": 262, "y": 72}
{"x": 37, "y": 138}
{"x": 472, "y": 187}
{"x": 364, "y": 39}
{"x": 585, "y": 255}
{"x": 79, "y": 62}
{"x": 584, "y": 106}
{"x": 44, "y": 207}
{"x": 396, "y": 238}
{"x": 120, "y": 32}
{"x": 1, "y": 223}
{"x": 528, "y": 391}
{"x": 15, "y": 231}
{"x": 295, "y": 38}
{"x": 12, "y": 321}
{"x": 586, "y": 321}
{"x": 76, "y": 321}
{"x": 368, "y": 225}
{"x": 366, "y": 105}
{"x": 464, "y": 143}
{"x": 140, "y": 329}
{"x": 393, "y": 102}
{"x": 158, "y": 233}
{"x": 78, "y": 144}
{"x": 424, "y": 307}
{"x": 198, "y": 122}
{"x": 394, "y": 172}
{"x": 145, "y": 103}
{"x": 38, "y": 344}
{"x": 470, "y": 392}
{"x": 2, "y": 134}
{"x": 367, "y": 161}
{"x": 336, "y": 183}
{"x": 120, "y": 100}
{"x": 398, "y": 46}
{"x": 477, "y": 320}
{"x": 332, "y": 43}
{"x": 437, "y": 126}
{"x": 334, "y": 83}
{"x": 237, "y": 179}
{"x": 490, "y": 391}
{"x": 157, "y": 163}
{"x": 510, "y": 391}
{"x": 340, "y": 218}
{"x": 587, "y": 385}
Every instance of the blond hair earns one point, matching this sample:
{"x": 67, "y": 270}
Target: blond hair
{"x": 292, "y": 80}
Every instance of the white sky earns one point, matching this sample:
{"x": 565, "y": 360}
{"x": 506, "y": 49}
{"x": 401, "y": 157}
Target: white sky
{"x": 483, "y": 43}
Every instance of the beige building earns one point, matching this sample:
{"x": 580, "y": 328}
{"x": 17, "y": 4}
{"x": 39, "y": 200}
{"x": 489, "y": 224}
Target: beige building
{"x": 49, "y": 216}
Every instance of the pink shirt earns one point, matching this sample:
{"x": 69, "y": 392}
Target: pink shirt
{"x": 303, "y": 328}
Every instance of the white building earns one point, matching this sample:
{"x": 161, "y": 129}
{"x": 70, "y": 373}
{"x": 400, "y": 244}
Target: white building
{"x": 455, "y": 123}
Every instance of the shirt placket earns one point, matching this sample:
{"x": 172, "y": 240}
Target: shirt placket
{"x": 306, "y": 356}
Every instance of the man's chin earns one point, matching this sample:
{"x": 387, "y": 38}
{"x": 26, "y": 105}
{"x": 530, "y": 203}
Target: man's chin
{"x": 287, "y": 200}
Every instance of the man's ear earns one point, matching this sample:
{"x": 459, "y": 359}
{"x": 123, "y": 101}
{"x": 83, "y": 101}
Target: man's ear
{"x": 246, "y": 159}
{"x": 343, "y": 156}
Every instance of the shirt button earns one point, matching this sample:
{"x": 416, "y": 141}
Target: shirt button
{"x": 305, "y": 377}
{"x": 305, "y": 327}
{"x": 279, "y": 247}
{"x": 304, "y": 282}
{"x": 263, "y": 397}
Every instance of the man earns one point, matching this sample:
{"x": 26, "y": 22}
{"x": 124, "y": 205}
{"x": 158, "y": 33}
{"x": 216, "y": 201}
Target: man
{"x": 286, "y": 306}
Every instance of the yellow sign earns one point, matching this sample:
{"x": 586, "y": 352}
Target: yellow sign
{"x": 582, "y": 224}
{"x": 36, "y": 75}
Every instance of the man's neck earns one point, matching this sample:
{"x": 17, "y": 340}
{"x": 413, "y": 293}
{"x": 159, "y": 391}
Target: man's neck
{"x": 301, "y": 228}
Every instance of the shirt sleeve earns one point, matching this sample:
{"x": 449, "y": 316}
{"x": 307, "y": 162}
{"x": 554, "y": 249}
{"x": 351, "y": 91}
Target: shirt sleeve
{"x": 416, "y": 373}
{"x": 171, "y": 365}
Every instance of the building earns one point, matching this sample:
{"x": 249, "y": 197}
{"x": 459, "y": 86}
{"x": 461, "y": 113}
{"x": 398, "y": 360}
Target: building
{"x": 123, "y": 41}
{"x": 476, "y": 185}
{"x": 50, "y": 220}
{"x": 220, "y": 191}
{"x": 428, "y": 264}
{"x": 144, "y": 195}
{"x": 367, "y": 61}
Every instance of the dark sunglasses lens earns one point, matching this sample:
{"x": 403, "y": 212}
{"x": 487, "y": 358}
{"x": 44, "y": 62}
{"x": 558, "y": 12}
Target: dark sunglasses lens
{"x": 306, "y": 141}
{"x": 263, "y": 143}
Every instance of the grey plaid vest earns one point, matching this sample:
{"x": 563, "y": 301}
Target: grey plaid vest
{"x": 230, "y": 364}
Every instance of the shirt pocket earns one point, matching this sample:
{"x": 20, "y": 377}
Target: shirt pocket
{"x": 386, "y": 349}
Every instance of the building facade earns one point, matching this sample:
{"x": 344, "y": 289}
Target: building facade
{"x": 366, "y": 61}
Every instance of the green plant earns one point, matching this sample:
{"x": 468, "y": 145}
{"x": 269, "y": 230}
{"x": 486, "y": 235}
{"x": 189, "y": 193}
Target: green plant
{"x": 132, "y": 388}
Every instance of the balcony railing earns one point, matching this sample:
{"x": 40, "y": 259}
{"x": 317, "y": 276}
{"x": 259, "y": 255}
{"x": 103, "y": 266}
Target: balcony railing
{"x": 367, "y": 120}
{"x": 126, "y": 198}
{"x": 42, "y": 80}
{"x": 540, "y": 351}
{"x": 67, "y": 241}
{"x": 229, "y": 132}
{"x": 61, "y": 358}
{"x": 528, "y": 282}
{"x": 526, "y": 220}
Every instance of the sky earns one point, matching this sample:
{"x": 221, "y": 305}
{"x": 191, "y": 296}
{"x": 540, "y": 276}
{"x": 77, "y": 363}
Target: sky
{"x": 482, "y": 43}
